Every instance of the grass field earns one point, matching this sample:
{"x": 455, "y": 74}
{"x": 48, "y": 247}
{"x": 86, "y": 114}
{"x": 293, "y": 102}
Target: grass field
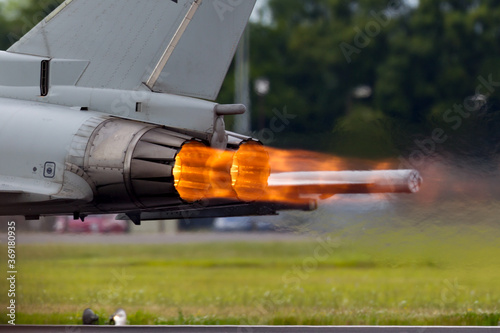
{"x": 435, "y": 276}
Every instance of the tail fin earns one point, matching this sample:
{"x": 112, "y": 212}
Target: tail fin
{"x": 182, "y": 47}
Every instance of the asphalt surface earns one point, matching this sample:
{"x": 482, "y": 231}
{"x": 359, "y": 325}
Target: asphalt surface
{"x": 138, "y": 238}
{"x": 248, "y": 329}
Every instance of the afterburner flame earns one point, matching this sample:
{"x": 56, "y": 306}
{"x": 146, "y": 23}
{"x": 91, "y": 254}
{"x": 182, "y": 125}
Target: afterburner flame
{"x": 202, "y": 172}
{"x": 250, "y": 171}
{"x": 302, "y": 160}
{"x": 191, "y": 172}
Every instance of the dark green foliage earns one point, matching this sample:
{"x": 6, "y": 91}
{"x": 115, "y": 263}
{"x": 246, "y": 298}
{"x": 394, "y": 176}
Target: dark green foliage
{"x": 419, "y": 61}
{"x": 21, "y": 17}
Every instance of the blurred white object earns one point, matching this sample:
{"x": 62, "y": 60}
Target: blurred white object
{"x": 119, "y": 318}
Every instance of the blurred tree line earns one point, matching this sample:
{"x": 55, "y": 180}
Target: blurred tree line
{"x": 362, "y": 77}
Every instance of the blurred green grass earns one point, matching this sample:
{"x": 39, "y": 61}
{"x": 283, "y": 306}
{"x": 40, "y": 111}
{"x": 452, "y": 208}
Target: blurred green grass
{"x": 435, "y": 276}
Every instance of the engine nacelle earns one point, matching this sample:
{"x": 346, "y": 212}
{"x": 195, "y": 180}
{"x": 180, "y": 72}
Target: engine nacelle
{"x": 130, "y": 164}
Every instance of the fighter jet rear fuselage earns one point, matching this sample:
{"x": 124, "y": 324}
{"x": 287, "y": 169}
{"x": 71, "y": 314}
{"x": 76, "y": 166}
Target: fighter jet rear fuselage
{"x": 60, "y": 158}
{"x": 103, "y": 109}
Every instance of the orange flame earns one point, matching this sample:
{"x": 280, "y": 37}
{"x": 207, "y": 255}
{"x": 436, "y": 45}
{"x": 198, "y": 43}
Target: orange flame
{"x": 250, "y": 171}
{"x": 202, "y": 172}
{"x": 190, "y": 171}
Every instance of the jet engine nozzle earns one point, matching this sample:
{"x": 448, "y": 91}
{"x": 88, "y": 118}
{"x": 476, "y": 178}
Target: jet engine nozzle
{"x": 131, "y": 164}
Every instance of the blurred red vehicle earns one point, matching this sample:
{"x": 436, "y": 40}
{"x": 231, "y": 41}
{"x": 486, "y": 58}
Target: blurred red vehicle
{"x": 92, "y": 224}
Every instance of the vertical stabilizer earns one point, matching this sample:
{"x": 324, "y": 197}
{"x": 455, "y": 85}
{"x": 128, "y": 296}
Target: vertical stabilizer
{"x": 181, "y": 47}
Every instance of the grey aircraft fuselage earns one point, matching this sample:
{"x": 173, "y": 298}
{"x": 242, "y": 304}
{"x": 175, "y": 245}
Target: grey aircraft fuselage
{"x": 97, "y": 101}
